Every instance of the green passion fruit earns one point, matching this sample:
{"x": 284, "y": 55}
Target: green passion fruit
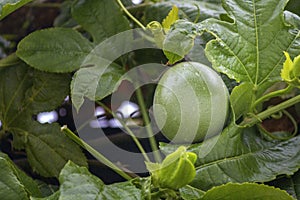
{"x": 190, "y": 103}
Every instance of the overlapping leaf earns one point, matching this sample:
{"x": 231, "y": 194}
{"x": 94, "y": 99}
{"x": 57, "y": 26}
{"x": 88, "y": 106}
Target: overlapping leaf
{"x": 78, "y": 183}
{"x": 290, "y": 184}
{"x": 251, "y": 48}
{"x": 26, "y": 92}
{"x": 242, "y": 156}
{"x": 190, "y": 9}
{"x": 14, "y": 183}
{"x": 54, "y": 50}
{"x": 246, "y": 191}
{"x": 8, "y": 6}
{"x": 95, "y": 15}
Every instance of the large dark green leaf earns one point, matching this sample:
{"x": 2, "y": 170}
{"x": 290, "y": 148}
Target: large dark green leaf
{"x": 14, "y": 183}
{"x": 101, "y": 19}
{"x": 246, "y": 191}
{"x": 54, "y": 50}
{"x": 78, "y": 183}
{"x": 9, "y": 6}
{"x": 24, "y": 93}
{"x": 290, "y": 184}
{"x": 251, "y": 48}
{"x": 240, "y": 155}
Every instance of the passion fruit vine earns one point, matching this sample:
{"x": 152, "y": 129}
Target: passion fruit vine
{"x": 190, "y": 103}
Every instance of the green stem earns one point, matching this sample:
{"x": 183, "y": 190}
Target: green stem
{"x": 149, "y": 130}
{"x": 130, "y": 15}
{"x": 136, "y": 141}
{"x": 95, "y": 153}
{"x": 272, "y": 94}
{"x": 270, "y": 111}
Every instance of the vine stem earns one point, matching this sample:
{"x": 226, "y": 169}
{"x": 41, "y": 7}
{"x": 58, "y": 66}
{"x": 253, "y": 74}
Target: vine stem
{"x": 94, "y": 152}
{"x": 136, "y": 141}
{"x": 272, "y": 94}
{"x": 149, "y": 130}
{"x": 270, "y": 111}
{"x": 130, "y": 15}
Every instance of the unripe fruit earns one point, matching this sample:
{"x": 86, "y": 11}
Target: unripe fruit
{"x": 190, "y": 103}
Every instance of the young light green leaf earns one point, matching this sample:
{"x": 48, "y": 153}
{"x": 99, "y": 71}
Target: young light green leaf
{"x": 250, "y": 49}
{"x": 24, "y": 93}
{"x": 224, "y": 160}
{"x": 62, "y": 50}
{"x": 91, "y": 187}
{"x": 287, "y": 69}
{"x": 9, "y": 6}
{"x": 246, "y": 191}
{"x": 290, "y": 184}
{"x": 170, "y": 19}
{"x": 14, "y": 183}
{"x": 94, "y": 15}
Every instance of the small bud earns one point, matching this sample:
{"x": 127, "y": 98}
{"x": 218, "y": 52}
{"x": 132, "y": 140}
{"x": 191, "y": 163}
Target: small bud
{"x": 176, "y": 170}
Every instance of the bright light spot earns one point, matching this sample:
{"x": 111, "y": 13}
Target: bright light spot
{"x": 137, "y": 1}
{"x": 0, "y": 124}
{"x": 127, "y": 108}
{"x": 100, "y": 123}
{"x": 114, "y": 123}
{"x": 67, "y": 98}
{"x": 99, "y": 111}
{"x": 47, "y": 117}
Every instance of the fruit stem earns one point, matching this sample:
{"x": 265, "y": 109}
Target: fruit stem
{"x": 149, "y": 130}
{"x": 270, "y": 111}
{"x": 136, "y": 141}
{"x": 130, "y": 15}
{"x": 94, "y": 152}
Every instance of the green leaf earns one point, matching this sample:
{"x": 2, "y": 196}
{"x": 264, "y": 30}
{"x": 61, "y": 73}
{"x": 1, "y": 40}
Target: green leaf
{"x": 62, "y": 50}
{"x": 54, "y": 196}
{"x": 287, "y": 69}
{"x": 99, "y": 75}
{"x": 188, "y": 9}
{"x": 78, "y": 183}
{"x": 14, "y": 183}
{"x": 86, "y": 79}
{"x": 180, "y": 40}
{"x": 24, "y": 93}
{"x": 246, "y": 191}
{"x": 101, "y": 19}
{"x": 171, "y": 18}
{"x": 241, "y": 99}
{"x": 250, "y": 49}
{"x": 290, "y": 184}
{"x": 9, "y": 61}
{"x": 9, "y": 6}
{"x": 241, "y": 155}
{"x": 190, "y": 193}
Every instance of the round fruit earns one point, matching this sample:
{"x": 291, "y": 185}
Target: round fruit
{"x": 190, "y": 103}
